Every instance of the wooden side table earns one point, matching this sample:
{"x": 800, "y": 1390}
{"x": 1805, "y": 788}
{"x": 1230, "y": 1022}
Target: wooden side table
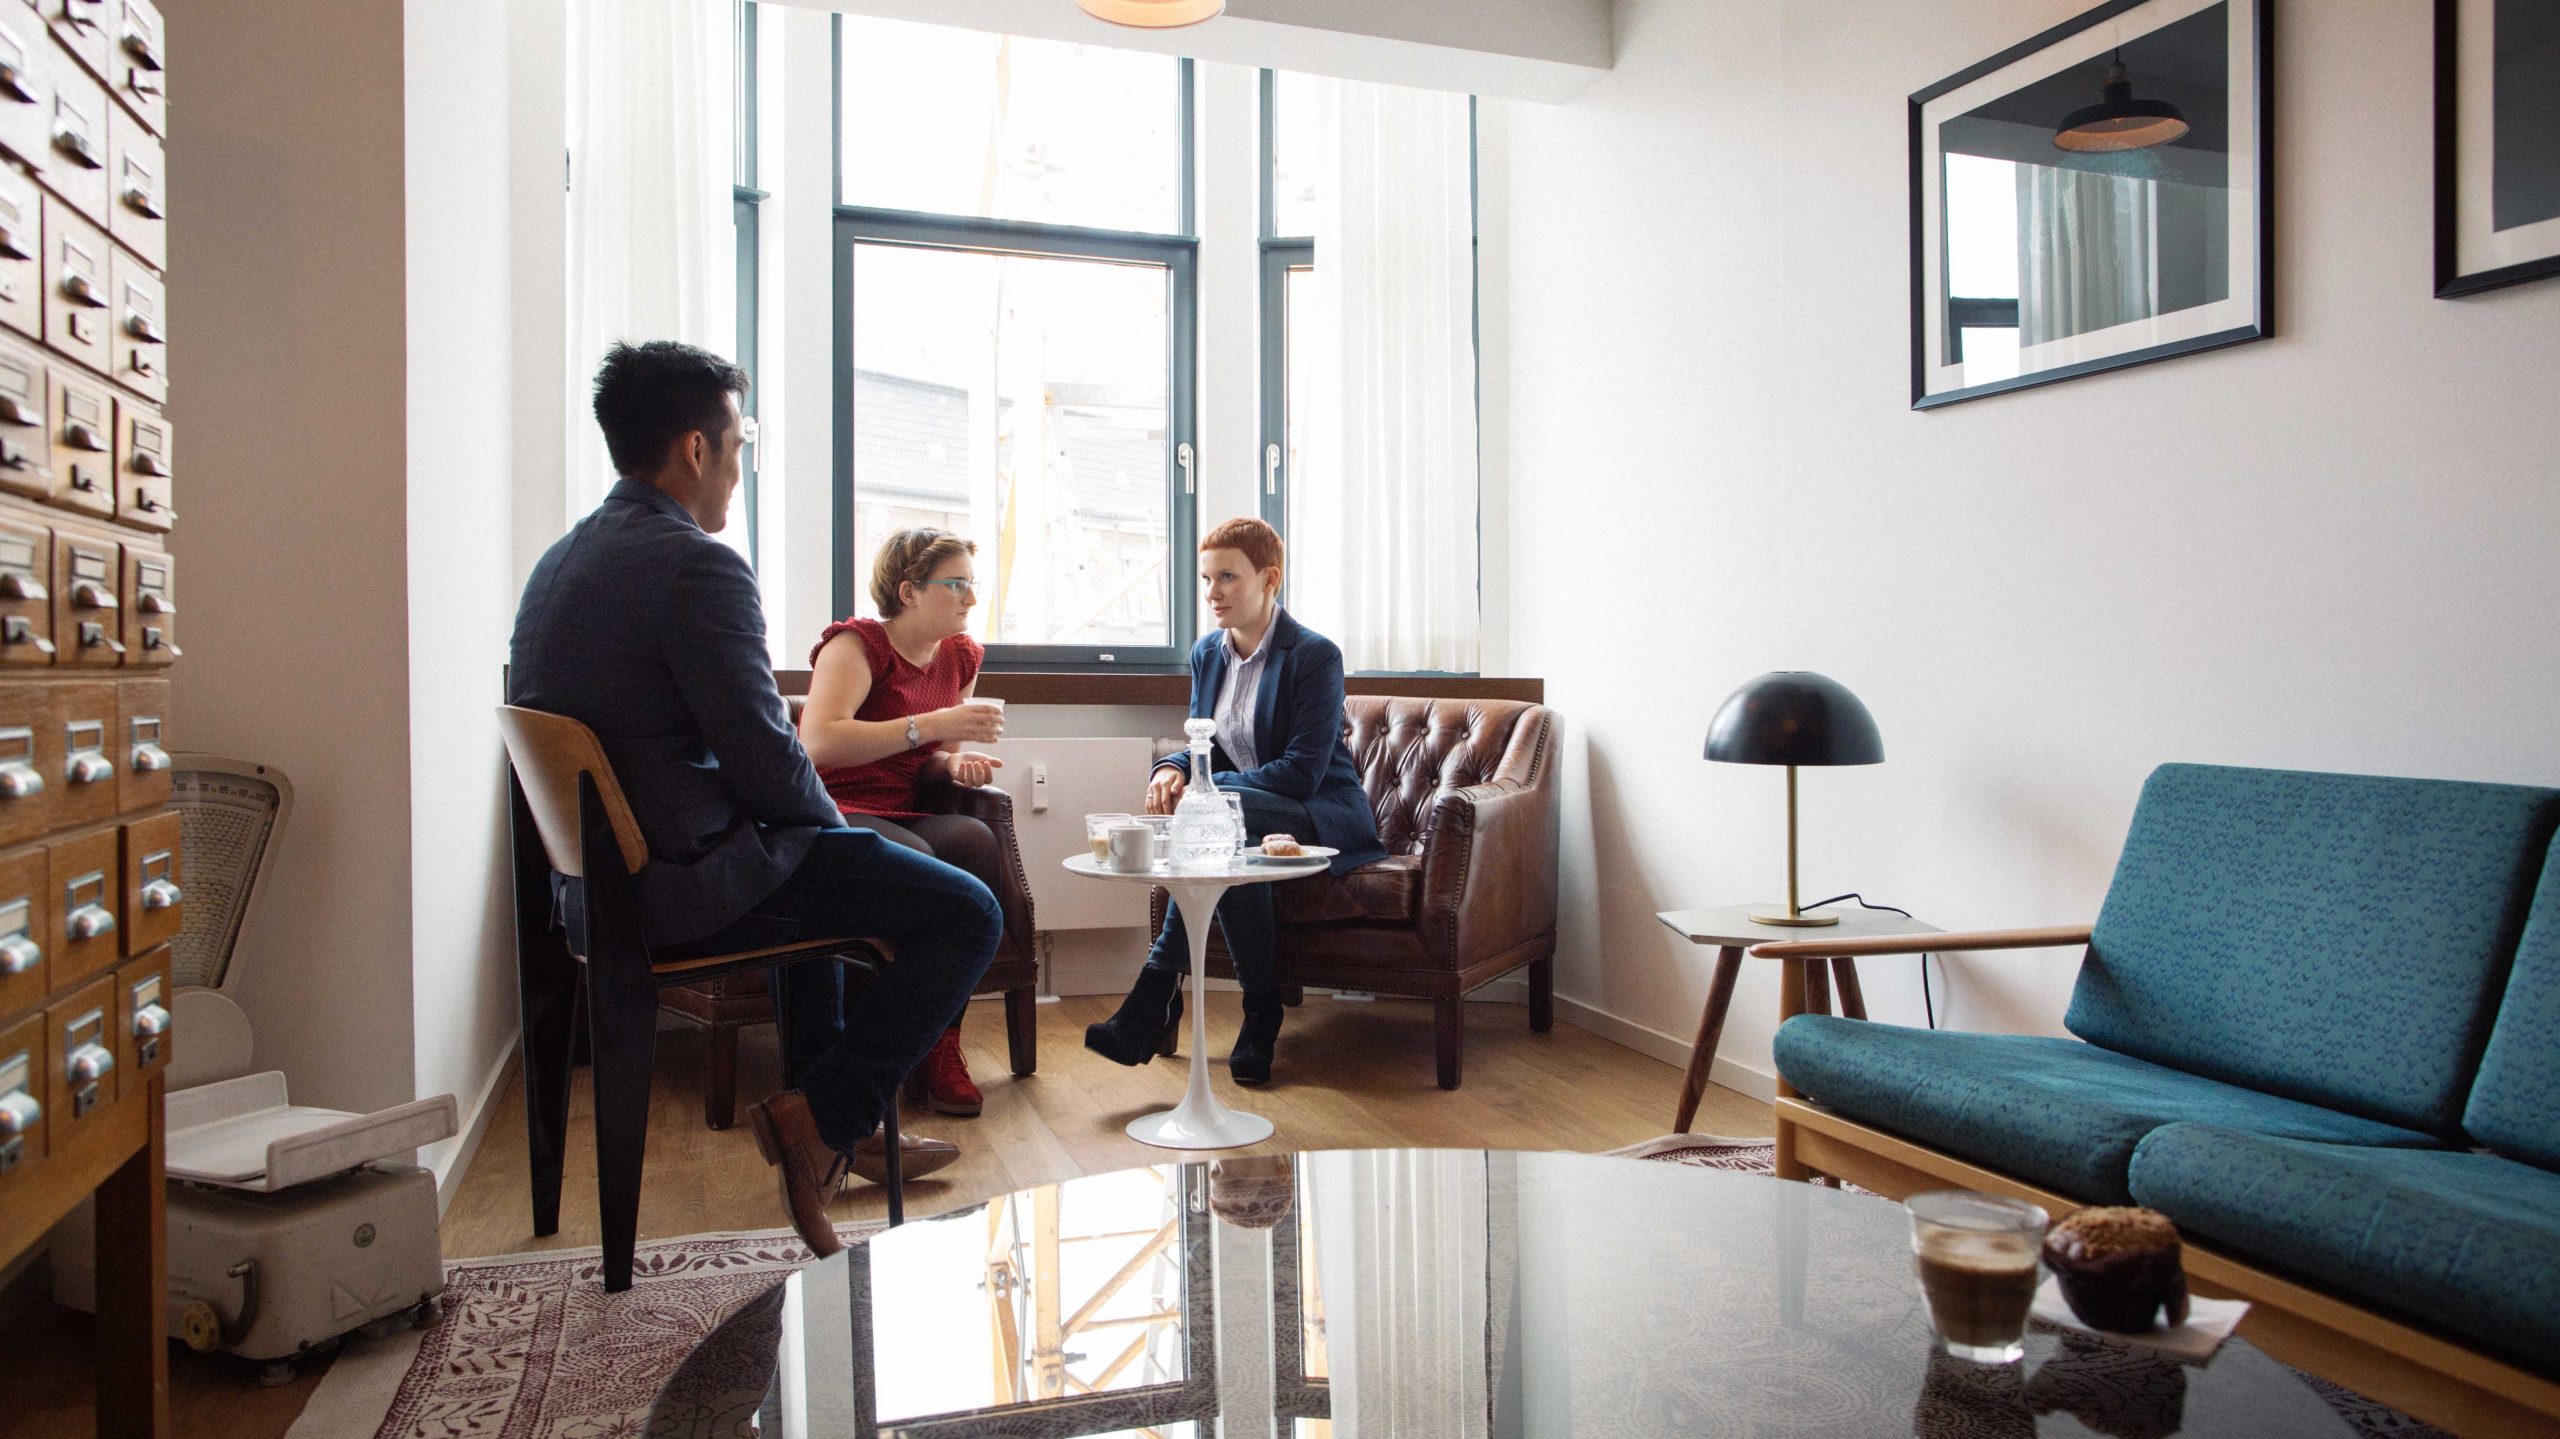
{"x": 1732, "y": 929}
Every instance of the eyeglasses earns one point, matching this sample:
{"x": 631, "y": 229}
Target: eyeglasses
{"x": 966, "y": 589}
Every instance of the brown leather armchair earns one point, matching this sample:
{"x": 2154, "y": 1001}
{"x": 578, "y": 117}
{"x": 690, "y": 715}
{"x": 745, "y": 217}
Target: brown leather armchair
{"x": 732, "y": 1002}
{"x": 1466, "y": 798}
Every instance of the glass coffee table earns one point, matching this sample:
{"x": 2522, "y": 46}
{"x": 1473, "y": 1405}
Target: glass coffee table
{"x": 1453, "y": 1294}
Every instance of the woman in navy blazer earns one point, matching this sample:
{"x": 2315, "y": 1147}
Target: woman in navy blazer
{"x": 1274, "y": 688}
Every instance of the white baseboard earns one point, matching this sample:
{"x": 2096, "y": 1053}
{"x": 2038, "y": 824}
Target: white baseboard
{"x": 1740, "y": 1078}
{"x": 476, "y": 1114}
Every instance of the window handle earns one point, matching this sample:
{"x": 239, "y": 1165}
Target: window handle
{"x": 1271, "y": 469}
{"x": 1182, "y": 457}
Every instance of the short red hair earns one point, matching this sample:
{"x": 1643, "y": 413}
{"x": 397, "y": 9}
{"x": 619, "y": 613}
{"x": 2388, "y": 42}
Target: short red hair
{"x": 1257, "y": 542}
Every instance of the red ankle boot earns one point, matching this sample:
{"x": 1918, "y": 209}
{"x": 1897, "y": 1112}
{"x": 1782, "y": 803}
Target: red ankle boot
{"x": 942, "y": 1080}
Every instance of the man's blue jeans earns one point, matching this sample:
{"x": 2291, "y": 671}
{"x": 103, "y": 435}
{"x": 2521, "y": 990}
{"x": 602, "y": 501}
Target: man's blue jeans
{"x": 1244, "y": 912}
{"x": 941, "y": 923}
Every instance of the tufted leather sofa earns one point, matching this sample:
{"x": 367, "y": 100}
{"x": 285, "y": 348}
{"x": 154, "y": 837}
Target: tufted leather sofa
{"x": 1466, "y": 799}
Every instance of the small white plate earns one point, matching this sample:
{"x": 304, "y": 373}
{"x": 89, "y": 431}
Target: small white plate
{"x": 1310, "y": 851}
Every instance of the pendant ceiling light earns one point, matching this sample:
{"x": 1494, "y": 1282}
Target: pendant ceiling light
{"x": 1153, "y": 14}
{"x": 2117, "y": 122}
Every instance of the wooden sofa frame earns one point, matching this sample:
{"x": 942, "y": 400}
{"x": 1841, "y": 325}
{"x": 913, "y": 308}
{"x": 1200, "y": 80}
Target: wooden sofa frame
{"x": 2435, "y": 1378}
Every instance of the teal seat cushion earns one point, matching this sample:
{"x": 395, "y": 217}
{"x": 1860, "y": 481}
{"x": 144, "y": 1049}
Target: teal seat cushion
{"x": 2465, "y": 1242}
{"x": 2052, "y": 1111}
{"x": 2337, "y": 939}
{"x": 2515, "y": 1104}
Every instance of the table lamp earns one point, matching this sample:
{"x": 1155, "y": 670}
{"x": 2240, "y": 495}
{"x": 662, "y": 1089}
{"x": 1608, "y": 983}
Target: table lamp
{"x": 1793, "y": 717}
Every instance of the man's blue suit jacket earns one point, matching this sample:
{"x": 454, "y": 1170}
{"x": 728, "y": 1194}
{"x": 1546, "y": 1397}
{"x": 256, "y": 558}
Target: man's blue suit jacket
{"x": 650, "y": 632}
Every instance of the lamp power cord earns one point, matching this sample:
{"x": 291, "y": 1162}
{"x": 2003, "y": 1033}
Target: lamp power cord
{"x": 1928, "y": 1005}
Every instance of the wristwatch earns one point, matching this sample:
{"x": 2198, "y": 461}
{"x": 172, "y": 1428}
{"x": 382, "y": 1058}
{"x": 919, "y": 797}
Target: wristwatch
{"x": 914, "y": 736}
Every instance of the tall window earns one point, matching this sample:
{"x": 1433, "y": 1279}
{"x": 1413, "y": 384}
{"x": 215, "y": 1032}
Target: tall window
{"x": 1296, "y": 360}
{"x": 745, "y": 199}
{"x": 1015, "y": 273}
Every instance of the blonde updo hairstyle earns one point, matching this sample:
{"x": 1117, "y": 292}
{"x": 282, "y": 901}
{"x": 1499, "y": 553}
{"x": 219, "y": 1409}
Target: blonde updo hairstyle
{"x": 910, "y": 557}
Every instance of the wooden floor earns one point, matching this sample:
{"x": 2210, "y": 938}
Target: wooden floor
{"x": 1348, "y": 1075}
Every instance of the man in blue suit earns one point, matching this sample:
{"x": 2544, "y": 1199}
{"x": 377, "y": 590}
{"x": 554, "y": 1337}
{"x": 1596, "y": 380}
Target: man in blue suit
{"x": 641, "y": 626}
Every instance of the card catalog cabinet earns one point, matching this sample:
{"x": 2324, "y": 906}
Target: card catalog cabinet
{"x": 92, "y": 865}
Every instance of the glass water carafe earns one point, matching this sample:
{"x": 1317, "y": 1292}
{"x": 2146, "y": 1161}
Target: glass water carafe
{"x": 1204, "y": 829}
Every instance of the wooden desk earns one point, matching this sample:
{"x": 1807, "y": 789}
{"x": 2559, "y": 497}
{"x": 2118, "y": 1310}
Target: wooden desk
{"x": 1732, "y": 929}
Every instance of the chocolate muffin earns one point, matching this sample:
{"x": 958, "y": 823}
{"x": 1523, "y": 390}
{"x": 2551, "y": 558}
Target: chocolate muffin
{"x": 2119, "y": 1268}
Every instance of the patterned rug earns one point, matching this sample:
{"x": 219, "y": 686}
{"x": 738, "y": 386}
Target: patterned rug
{"x": 531, "y": 1347}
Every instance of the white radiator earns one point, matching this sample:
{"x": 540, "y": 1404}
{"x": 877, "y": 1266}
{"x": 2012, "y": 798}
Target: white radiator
{"x": 1055, "y": 783}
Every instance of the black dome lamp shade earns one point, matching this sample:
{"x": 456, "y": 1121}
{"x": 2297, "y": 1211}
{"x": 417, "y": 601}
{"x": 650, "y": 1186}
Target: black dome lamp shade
{"x": 2118, "y": 121}
{"x": 1793, "y": 717}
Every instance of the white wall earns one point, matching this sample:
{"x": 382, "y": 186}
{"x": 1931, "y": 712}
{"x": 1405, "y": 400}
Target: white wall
{"x": 286, "y": 257}
{"x": 485, "y": 338}
{"x": 367, "y": 253}
{"x": 2330, "y": 550}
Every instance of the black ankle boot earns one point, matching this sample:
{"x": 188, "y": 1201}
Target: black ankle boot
{"x": 1153, "y": 1008}
{"x": 1251, "y": 1061}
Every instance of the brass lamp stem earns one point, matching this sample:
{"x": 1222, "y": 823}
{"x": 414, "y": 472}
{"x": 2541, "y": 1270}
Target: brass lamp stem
{"x": 1795, "y": 917}
{"x": 1795, "y": 913}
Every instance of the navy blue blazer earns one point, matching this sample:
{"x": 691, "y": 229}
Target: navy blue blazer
{"x": 650, "y": 632}
{"x": 1297, "y": 731}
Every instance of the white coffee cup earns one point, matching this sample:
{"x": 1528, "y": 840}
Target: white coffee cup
{"x": 1129, "y": 849}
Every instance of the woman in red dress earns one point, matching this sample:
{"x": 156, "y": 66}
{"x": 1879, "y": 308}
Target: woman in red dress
{"x": 889, "y": 699}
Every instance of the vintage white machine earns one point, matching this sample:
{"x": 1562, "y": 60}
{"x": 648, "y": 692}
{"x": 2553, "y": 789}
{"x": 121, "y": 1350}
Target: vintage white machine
{"x": 289, "y": 1226}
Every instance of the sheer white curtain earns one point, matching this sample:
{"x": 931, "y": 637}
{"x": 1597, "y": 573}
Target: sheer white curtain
{"x": 2086, "y": 252}
{"x": 1406, "y": 1268}
{"x": 652, "y": 247}
{"x": 1383, "y": 528}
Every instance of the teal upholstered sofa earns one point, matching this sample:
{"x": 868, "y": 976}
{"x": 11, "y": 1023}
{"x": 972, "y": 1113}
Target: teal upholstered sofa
{"x": 2318, "y": 1024}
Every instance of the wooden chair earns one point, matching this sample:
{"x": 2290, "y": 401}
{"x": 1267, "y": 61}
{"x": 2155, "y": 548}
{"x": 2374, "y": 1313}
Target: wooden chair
{"x": 565, "y": 787}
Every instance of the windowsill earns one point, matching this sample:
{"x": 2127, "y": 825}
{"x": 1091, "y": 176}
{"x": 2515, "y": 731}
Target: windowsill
{"x": 1048, "y": 687}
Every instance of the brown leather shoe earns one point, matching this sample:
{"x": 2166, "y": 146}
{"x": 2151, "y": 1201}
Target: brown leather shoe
{"x": 787, "y": 1135}
{"x": 917, "y": 1157}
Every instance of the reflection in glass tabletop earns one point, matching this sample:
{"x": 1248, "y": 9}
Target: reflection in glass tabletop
{"x": 1449, "y": 1294}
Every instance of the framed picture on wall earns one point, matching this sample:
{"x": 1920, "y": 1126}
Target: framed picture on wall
{"x": 2094, "y": 198}
{"x": 2497, "y": 143}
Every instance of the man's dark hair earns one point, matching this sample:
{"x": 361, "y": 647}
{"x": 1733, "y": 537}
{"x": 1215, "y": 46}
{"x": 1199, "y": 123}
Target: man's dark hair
{"x": 648, "y": 396}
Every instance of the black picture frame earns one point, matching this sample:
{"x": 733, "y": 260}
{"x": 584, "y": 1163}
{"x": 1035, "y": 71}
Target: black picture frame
{"x": 2456, "y": 201}
{"x": 2250, "y": 91}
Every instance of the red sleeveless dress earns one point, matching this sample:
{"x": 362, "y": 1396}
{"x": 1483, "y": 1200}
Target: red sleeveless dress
{"x": 887, "y": 786}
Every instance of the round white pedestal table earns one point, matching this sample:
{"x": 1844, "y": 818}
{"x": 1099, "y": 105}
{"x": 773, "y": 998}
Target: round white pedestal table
{"x": 1200, "y": 1121}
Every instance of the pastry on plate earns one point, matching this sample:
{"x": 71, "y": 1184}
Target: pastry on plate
{"x": 2119, "y": 1268}
{"x": 1282, "y": 846}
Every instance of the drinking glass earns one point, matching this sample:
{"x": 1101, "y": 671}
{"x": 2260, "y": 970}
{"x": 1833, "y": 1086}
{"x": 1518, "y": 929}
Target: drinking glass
{"x": 1976, "y": 1255}
{"x": 1159, "y": 838}
{"x": 1097, "y": 833}
{"x": 1235, "y": 808}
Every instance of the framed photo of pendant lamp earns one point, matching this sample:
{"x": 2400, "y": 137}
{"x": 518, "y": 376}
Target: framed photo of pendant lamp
{"x": 2095, "y": 197}
{"x": 2497, "y": 143}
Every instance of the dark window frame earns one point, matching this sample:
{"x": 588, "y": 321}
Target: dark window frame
{"x": 1178, "y": 253}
